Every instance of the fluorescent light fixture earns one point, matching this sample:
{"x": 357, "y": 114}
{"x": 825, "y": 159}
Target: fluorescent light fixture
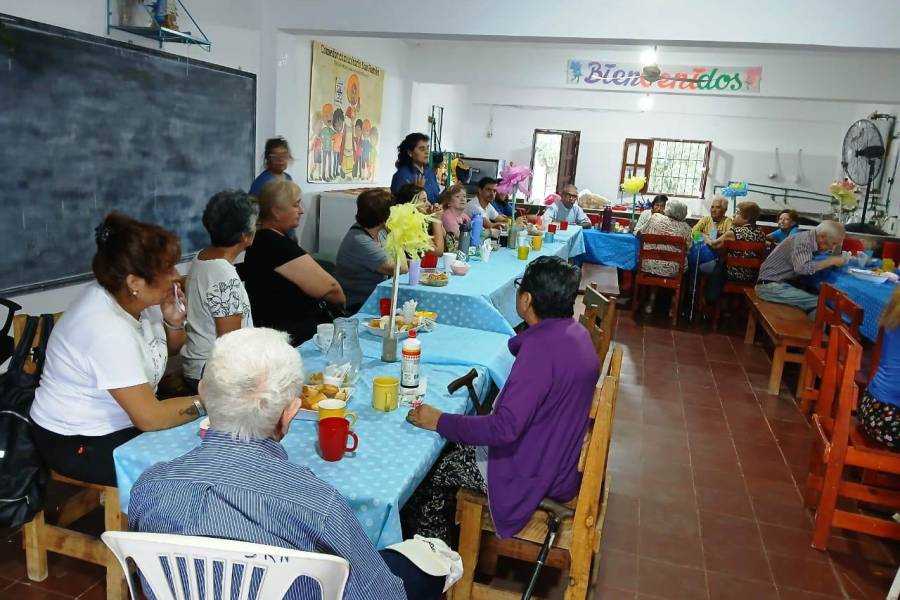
{"x": 646, "y": 103}
{"x": 648, "y": 57}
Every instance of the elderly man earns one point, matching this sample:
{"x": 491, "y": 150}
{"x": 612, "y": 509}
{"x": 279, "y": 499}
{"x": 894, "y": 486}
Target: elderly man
{"x": 482, "y": 204}
{"x": 716, "y": 220}
{"x": 792, "y": 259}
{"x": 567, "y": 209}
{"x": 238, "y": 484}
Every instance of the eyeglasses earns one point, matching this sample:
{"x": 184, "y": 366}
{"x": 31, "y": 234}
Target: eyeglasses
{"x": 279, "y": 156}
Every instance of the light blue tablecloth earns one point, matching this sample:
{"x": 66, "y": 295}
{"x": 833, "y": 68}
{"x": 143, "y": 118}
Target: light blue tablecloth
{"x": 392, "y": 460}
{"x": 447, "y": 345}
{"x": 872, "y": 297}
{"x": 484, "y": 298}
{"x": 618, "y": 250}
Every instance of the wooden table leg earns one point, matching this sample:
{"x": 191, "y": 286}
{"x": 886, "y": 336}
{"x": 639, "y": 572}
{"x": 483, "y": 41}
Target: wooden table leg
{"x": 777, "y": 370}
{"x": 750, "y": 334}
{"x": 114, "y": 520}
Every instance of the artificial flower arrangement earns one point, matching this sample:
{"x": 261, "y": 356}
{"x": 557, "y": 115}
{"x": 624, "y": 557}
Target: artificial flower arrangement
{"x": 633, "y": 186}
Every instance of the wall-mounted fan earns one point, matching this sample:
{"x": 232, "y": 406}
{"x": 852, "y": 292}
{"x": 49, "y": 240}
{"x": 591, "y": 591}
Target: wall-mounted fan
{"x": 862, "y": 157}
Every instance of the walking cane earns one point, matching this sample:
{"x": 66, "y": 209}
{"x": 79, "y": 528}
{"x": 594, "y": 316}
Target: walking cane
{"x": 694, "y": 286}
{"x": 556, "y": 514}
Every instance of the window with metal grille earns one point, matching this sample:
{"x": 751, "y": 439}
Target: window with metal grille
{"x": 676, "y": 168}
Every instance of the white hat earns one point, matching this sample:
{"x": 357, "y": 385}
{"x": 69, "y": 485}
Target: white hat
{"x": 432, "y": 556}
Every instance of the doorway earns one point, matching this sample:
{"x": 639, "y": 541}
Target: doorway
{"x": 554, "y": 157}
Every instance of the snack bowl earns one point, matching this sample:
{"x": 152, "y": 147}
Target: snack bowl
{"x": 459, "y": 268}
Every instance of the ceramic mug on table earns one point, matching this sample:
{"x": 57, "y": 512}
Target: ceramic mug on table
{"x": 385, "y": 393}
{"x": 887, "y": 265}
{"x": 332, "y": 407}
{"x": 333, "y": 434}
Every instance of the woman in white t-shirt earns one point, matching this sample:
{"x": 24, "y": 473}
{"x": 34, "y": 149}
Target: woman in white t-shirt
{"x": 217, "y": 301}
{"x": 109, "y": 351}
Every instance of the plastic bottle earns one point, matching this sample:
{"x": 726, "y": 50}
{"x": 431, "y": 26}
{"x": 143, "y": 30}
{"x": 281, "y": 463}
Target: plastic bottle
{"x": 477, "y": 227}
{"x": 606, "y": 223}
{"x": 409, "y": 367}
{"x": 464, "y": 237}
{"x": 513, "y": 236}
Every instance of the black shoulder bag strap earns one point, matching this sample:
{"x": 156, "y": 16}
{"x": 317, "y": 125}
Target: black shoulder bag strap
{"x": 39, "y": 353}
{"x": 12, "y": 307}
{"x": 23, "y": 348}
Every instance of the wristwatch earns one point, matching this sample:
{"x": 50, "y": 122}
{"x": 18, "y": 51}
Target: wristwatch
{"x": 199, "y": 406}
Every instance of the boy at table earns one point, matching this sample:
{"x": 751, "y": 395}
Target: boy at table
{"x": 238, "y": 484}
{"x": 527, "y": 449}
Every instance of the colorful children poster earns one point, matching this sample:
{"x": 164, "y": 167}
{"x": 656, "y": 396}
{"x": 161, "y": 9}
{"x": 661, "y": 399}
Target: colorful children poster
{"x": 345, "y": 95}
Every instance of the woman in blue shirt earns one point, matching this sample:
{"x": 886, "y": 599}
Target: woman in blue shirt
{"x": 412, "y": 167}
{"x": 276, "y": 157}
{"x": 787, "y": 226}
{"x": 879, "y": 408}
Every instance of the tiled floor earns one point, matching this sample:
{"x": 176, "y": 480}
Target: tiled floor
{"x": 704, "y": 502}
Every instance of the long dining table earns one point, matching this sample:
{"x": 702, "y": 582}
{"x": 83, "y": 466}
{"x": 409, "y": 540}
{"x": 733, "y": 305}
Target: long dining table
{"x": 484, "y": 298}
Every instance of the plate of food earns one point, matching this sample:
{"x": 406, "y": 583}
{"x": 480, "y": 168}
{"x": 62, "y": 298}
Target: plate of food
{"x": 377, "y": 327}
{"x": 313, "y": 393}
{"x": 435, "y": 278}
{"x": 874, "y": 276}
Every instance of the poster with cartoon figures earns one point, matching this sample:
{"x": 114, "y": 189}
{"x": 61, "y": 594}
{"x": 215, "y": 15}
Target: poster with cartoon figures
{"x": 345, "y": 96}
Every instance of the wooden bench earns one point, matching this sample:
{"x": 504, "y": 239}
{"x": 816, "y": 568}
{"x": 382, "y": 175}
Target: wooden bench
{"x": 788, "y": 327}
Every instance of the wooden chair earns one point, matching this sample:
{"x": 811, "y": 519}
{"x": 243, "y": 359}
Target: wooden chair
{"x": 840, "y": 443}
{"x": 733, "y": 259}
{"x": 40, "y": 537}
{"x": 677, "y": 256}
{"x": 597, "y": 306}
{"x": 577, "y": 544}
{"x": 834, "y": 308}
{"x": 786, "y": 326}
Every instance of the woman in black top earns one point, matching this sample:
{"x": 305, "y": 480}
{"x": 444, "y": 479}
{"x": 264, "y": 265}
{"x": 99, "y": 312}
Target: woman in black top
{"x": 284, "y": 283}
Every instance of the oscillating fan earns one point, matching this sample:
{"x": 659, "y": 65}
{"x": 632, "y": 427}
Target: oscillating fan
{"x": 862, "y": 156}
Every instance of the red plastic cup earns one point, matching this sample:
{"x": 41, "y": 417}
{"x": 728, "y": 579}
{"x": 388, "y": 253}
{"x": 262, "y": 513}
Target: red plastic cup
{"x": 563, "y": 225}
{"x": 384, "y": 306}
{"x": 333, "y": 434}
{"x": 429, "y": 261}
{"x": 551, "y": 228}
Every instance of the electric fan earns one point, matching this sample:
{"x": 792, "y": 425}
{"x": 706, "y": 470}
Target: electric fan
{"x": 862, "y": 157}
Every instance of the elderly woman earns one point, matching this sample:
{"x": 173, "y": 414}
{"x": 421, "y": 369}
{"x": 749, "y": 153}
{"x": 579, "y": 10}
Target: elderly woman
{"x": 288, "y": 289}
{"x": 362, "y": 262}
{"x": 658, "y": 206}
{"x": 527, "y": 449}
{"x": 716, "y": 220}
{"x": 788, "y": 220}
{"x": 217, "y": 301}
{"x": 276, "y": 157}
{"x": 744, "y": 229}
{"x": 412, "y": 166}
{"x": 879, "y": 407}
{"x": 108, "y": 352}
{"x": 671, "y": 222}
{"x": 412, "y": 193}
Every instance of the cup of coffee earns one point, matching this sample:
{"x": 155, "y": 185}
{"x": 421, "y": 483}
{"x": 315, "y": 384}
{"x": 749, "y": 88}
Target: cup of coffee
{"x": 537, "y": 242}
{"x": 333, "y": 442}
{"x": 385, "y": 393}
{"x": 563, "y": 225}
{"x": 384, "y": 306}
{"x": 332, "y": 407}
{"x": 324, "y": 334}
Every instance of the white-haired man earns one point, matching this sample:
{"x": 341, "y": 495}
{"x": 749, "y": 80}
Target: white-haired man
{"x": 794, "y": 258}
{"x": 238, "y": 484}
{"x": 567, "y": 209}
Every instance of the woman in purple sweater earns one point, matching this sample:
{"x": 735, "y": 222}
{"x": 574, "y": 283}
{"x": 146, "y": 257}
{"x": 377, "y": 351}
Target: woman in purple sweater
{"x": 527, "y": 449}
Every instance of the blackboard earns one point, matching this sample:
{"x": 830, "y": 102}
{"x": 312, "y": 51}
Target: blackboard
{"x": 90, "y": 125}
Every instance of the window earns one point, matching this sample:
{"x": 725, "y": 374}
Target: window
{"x": 676, "y": 168}
{"x": 554, "y": 155}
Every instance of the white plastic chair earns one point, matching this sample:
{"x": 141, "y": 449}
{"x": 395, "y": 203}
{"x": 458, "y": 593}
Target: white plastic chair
{"x": 177, "y": 567}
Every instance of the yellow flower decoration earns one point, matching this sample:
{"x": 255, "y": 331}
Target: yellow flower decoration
{"x": 846, "y": 196}
{"x": 407, "y": 233}
{"x": 633, "y": 185}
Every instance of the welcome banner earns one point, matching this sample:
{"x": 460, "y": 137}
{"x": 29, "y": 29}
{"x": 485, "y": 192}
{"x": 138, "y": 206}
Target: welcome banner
{"x": 601, "y": 75}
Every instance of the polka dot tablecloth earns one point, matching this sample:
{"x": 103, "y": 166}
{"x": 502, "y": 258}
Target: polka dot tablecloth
{"x": 392, "y": 459}
{"x": 485, "y": 297}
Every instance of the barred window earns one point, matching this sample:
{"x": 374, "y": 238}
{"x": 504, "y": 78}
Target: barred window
{"x": 676, "y": 168}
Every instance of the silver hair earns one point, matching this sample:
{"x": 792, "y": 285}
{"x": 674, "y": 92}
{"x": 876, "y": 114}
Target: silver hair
{"x": 250, "y": 378}
{"x": 721, "y": 199}
{"x": 676, "y": 209}
{"x": 228, "y": 216}
{"x": 834, "y": 230}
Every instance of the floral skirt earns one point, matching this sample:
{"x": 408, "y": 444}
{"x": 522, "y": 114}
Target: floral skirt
{"x": 880, "y": 420}
{"x": 431, "y": 511}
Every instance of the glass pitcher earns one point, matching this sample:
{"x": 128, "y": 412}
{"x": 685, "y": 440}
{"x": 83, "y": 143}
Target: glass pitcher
{"x": 345, "y": 348}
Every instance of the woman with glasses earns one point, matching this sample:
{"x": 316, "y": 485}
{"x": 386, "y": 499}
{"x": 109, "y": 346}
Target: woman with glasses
{"x": 527, "y": 449}
{"x": 276, "y": 157}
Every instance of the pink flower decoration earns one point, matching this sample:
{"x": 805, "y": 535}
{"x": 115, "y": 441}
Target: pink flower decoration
{"x": 551, "y": 199}
{"x": 514, "y": 177}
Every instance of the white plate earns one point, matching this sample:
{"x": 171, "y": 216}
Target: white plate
{"x": 867, "y": 275}
{"x": 425, "y": 326}
{"x": 307, "y": 414}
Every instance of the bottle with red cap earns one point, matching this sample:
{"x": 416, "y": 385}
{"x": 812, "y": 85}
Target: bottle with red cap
{"x": 411, "y": 352}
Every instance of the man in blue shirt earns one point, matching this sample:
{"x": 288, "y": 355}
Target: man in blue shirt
{"x": 567, "y": 209}
{"x": 238, "y": 484}
{"x": 502, "y": 204}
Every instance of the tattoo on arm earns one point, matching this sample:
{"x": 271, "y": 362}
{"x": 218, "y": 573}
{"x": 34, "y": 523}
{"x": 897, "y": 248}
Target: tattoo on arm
{"x": 190, "y": 411}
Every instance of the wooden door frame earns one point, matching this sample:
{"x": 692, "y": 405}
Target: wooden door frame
{"x": 560, "y": 132}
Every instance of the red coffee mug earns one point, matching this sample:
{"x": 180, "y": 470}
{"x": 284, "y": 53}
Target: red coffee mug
{"x": 333, "y": 434}
{"x": 384, "y": 306}
{"x": 551, "y": 228}
{"x": 563, "y": 225}
{"x": 429, "y": 261}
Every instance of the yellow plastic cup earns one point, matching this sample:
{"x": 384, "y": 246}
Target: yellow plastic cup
{"x": 333, "y": 407}
{"x": 385, "y": 393}
{"x": 888, "y": 265}
{"x": 537, "y": 242}
{"x": 522, "y": 252}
